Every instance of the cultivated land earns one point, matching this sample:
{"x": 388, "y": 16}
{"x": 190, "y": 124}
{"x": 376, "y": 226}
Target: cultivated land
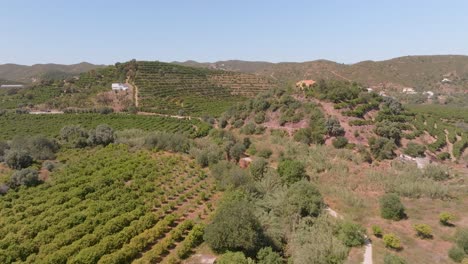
{"x": 236, "y": 164}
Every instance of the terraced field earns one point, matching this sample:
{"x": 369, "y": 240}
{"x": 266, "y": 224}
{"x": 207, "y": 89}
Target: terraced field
{"x": 108, "y": 205}
{"x": 169, "y": 88}
{"x": 50, "y": 125}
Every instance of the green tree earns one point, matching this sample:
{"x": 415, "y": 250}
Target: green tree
{"x": 303, "y": 199}
{"x": 236, "y": 151}
{"x": 351, "y": 234}
{"x": 462, "y": 239}
{"x": 334, "y": 128}
{"x": 340, "y": 142}
{"x": 102, "y": 135}
{"x": 74, "y": 136}
{"x": 234, "y": 258}
{"x": 382, "y": 148}
{"x": 266, "y": 255}
{"x": 291, "y": 171}
{"x": 391, "y": 207}
{"x": 234, "y": 228}
{"x": 377, "y": 231}
{"x": 27, "y": 177}
{"x": 18, "y": 159}
{"x": 258, "y": 168}
{"x": 415, "y": 150}
{"x": 456, "y": 253}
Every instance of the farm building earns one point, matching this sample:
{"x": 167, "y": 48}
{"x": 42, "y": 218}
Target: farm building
{"x": 119, "y": 87}
{"x": 305, "y": 83}
{"x": 409, "y": 91}
{"x": 12, "y": 86}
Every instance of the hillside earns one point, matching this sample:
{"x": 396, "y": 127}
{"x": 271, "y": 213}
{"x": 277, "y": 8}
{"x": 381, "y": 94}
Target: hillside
{"x": 29, "y": 74}
{"x": 423, "y": 73}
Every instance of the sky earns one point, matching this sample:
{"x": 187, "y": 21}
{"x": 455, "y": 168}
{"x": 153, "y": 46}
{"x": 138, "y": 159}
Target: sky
{"x": 346, "y": 31}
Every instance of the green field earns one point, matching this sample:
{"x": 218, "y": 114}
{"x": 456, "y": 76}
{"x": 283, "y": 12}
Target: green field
{"x": 108, "y": 205}
{"x": 49, "y": 125}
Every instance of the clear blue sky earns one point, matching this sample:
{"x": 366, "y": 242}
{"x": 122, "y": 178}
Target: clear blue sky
{"x": 105, "y": 31}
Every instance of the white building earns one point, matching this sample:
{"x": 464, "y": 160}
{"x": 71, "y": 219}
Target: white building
{"x": 12, "y": 86}
{"x": 119, "y": 87}
{"x": 409, "y": 91}
{"x": 429, "y": 94}
{"x": 446, "y": 80}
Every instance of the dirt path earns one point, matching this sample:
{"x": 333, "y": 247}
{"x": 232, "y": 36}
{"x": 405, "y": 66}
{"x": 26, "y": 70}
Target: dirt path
{"x": 367, "y": 245}
{"x": 134, "y": 89}
{"x": 341, "y": 76}
{"x": 449, "y": 146}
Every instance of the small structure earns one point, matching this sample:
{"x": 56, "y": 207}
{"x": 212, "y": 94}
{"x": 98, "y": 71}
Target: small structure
{"x": 370, "y": 90}
{"x": 245, "y": 162}
{"x": 421, "y": 163}
{"x": 119, "y": 87}
{"x": 305, "y": 84}
{"x": 12, "y": 86}
{"x": 429, "y": 94}
{"x": 409, "y": 91}
{"x": 446, "y": 80}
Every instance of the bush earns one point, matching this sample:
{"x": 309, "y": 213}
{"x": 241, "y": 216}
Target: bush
{"x": 340, "y": 142}
{"x": 248, "y": 129}
{"x": 49, "y": 165}
{"x": 382, "y": 148}
{"x": 27, "y": 177}
{"x": 4, "y": 189}
{"x": 456, "y": 253}
{"x": 462, "y": 239}
{"x": 236, "y": 151}
{"x": 394, "y": 259}
{"x": 445, "y": 218}
{"x": 351, "y": 234}
{"x": 18, "y": 159}
{"x": 291, "y": 171}
{"x": 264, "y": 153}
{"x": 234, "y": 228}
{"x": 415, "y": 150}
{"x": 259, "y": 118}
{"x": 443, "y": 156}
{"x": 391, "y": 207}
{"x": 377, "y": 231}
{"x": 238, "y": 123}
{"x": 388, "y": 129}
{"x": 423, "y": 230}
{"x": 334, "y": 128}
{"x": 436, "y": 172}
{"x": 392, "y": 241}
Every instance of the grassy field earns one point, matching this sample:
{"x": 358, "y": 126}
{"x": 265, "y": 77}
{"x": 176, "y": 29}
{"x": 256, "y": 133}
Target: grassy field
{"x": 49, "y": 125}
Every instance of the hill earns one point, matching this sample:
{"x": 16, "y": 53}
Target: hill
{"x": 29, "y": 74}
{"x": 423, "y": 73}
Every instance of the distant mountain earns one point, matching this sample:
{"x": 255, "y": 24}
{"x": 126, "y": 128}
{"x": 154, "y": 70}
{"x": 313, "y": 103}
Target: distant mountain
{"x": 419, "y": 72}
{"x": 29, "y": 74}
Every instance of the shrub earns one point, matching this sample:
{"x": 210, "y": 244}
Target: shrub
{"x": 334, "y": 128}
{"x": 456, "y": 253}
{"x": 462, "y": 239}
{"x": 248, "y": 129}
{"x": 49, "y": 165}
{"x": 391, "y": 207}
{"x": 18, "y": 159}
{"x": 238, "y": 123}
{"x": 382, "y": 148}
{"x": 264, "y": 153}
{"x": 415, "y": 150}
{"x": 303, "y": 135}
{"x": 291, "y": 171}
{"x": 222, "y": 122}
{"x": 4, "y": 188}
{"x": 445, "y": 218}
{"x": 377, "y": 231}
{"x": 259, "y": 118}
{"x": 423, "y": 230}
{"x": 388, "y": 129}
{"x": 236, "y": 151}
{"x": 392, "y": 241}
{"x": 443, "y": 156}
{"x": 27, "y": 177}
{"x": 340, "y": 142}
{"x": 436, "y": 172}
{"x": 394, "y": 259}
{"x": 351, "y": 234}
